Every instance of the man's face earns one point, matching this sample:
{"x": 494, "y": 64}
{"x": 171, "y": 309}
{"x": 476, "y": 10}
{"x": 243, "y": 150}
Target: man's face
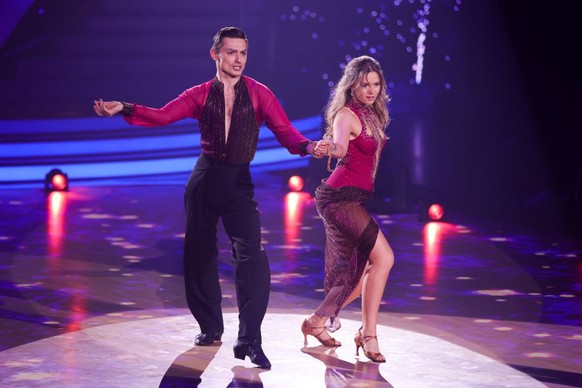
{"x": 231, "y": 57}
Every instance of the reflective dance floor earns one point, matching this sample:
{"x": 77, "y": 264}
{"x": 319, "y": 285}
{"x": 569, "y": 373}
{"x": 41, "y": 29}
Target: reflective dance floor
{"x": 92, "y": 296}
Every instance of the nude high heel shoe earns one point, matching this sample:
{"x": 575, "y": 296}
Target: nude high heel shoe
{"x": 361, "y": 342}
{"x": 307, "y": 329}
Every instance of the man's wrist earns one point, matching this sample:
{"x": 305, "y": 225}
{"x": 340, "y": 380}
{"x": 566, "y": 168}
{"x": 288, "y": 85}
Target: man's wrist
{"x": 311, "y": 145}
{"x": 305, "y": 147}
{"x": 127, "y": 109}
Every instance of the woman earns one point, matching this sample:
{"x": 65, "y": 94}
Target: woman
{"x": 358, "y": 258}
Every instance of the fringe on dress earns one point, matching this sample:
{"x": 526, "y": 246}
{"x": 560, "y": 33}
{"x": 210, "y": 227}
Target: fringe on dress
{"x": 351, "y": 233}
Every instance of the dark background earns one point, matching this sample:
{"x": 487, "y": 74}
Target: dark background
{"x": 491, "y": 130}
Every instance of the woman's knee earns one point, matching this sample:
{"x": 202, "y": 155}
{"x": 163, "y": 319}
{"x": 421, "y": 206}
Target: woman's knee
{"x": 382, "y": 256}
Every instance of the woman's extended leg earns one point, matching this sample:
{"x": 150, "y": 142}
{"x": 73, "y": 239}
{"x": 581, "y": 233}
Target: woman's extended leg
{"x": 373, "y": 284}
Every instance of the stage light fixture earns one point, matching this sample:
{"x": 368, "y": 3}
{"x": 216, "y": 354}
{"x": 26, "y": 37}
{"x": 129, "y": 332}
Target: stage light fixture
{"x": 56, "y": 180}
{"x": 295, "y": 183}
{"x": 435, "y": 212}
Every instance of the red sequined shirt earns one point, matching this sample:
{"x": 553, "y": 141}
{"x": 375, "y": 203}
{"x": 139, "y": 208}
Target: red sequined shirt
{"x": 191, "y": 104}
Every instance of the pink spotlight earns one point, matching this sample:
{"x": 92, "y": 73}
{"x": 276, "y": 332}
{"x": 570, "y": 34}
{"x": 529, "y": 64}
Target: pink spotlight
{"x": 436, "y": 212}
{"x": 296, "y": 183}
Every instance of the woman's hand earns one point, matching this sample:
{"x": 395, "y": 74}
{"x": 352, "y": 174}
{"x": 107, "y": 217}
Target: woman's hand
{"x": 321, "y": 148}
{"x": 107, "y": 108}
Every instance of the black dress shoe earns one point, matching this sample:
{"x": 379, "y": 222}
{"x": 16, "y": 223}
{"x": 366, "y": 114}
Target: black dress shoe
{"x": 206, "y": 339}
{"x": 253, "y": 351}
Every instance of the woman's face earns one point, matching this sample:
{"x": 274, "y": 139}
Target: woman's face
{"x": 367, "y": 89}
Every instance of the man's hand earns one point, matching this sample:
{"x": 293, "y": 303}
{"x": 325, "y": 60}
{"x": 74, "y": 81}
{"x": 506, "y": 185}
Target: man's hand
{"x": 107, "y": 108}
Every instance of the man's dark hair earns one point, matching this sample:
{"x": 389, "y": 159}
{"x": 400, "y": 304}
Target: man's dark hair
{"x": 227, "y": 32}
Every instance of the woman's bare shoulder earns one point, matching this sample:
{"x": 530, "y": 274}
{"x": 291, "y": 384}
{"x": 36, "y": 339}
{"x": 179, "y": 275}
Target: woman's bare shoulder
{"x": 346, "y": 113}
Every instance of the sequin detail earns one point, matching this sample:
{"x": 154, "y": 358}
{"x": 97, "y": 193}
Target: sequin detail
{"x": 243, "y": 134}
{"x": 359, "y": 165}
{"x": 350, "y": 233}
{"x": 370, "y": 122}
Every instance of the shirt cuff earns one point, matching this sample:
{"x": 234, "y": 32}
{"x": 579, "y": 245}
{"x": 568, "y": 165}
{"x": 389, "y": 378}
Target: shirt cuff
{"x": 303, "y": 147}
{"x": 127, "y": 109}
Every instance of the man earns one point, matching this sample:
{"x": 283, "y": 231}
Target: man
{"x": 230, "y": 109}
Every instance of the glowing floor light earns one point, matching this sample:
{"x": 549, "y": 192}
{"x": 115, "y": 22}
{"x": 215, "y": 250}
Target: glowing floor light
{"x": 296, "y": 183}
{"x": 435, "y": 212}
{"x": 56, "y": 180}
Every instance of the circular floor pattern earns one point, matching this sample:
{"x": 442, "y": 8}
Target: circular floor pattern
{"x": 158, "y": 352}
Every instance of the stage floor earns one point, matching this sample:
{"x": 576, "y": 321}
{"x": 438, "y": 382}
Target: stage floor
{"x": 92, "y": 295}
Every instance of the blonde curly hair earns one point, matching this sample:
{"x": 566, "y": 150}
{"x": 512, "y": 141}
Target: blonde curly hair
{"x": 341, "y": 95}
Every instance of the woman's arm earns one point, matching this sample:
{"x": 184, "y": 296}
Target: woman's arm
{"x": 346, "y": 126}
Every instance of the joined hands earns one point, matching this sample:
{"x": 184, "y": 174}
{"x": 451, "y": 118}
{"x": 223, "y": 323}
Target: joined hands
{"x": 322, "y": 148}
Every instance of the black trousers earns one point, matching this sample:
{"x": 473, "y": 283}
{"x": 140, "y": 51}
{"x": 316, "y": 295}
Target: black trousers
{"x": 219, "y": 190}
